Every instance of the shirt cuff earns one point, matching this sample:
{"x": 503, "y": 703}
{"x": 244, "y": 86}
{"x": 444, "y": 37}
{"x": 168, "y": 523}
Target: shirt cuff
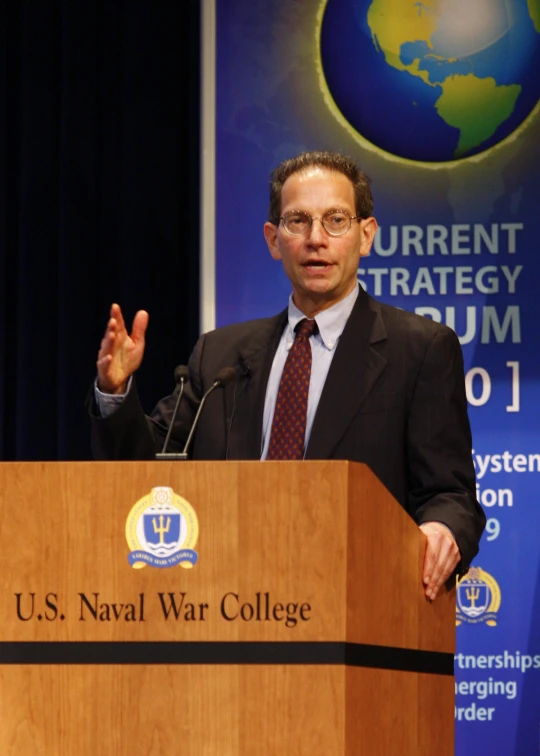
{"x": 109, "y": 403}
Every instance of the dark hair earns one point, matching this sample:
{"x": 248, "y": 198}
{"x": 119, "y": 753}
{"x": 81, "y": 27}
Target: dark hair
{"x": 334, "y": 161}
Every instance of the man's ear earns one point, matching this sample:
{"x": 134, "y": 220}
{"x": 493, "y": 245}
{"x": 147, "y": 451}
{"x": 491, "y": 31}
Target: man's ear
{"x": 271, "y": 234}
{"x": 368, "y": 229}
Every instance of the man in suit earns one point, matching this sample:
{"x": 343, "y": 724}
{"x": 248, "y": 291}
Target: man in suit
{"x": 384, "y": 387}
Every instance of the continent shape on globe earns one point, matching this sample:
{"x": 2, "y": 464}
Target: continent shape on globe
{"x": 434, "y": 81}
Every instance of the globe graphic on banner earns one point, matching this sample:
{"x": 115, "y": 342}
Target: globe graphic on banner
{"x": 432, "y": 81}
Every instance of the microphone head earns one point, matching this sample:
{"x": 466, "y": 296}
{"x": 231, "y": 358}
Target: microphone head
{"x": 181, "y": 373}
{"x": 225, "y": 376}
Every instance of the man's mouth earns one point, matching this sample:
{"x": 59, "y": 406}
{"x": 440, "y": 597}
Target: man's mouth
{"x": 316, "y": 264}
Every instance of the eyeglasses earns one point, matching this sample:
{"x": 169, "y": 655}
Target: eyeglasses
{"x": 334, "y": 222}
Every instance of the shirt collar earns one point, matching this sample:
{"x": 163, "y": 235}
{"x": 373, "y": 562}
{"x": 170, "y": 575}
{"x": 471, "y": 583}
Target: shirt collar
{"x": 330, "y": 322}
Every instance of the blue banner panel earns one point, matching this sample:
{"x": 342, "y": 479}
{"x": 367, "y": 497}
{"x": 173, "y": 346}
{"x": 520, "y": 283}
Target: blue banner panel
{"x": 439, "y": 103}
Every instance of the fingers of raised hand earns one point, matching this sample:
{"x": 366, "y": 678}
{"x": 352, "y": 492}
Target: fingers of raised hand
{"x": 107, "y": 346}
{"x": 108, "y": 341}
{"x": 103, "y": 362}
{"x": 140, "y": 324}
{"x": 116, "y": 315}
{"x": 105, "y": 353}
{"x": 117, "y": 325}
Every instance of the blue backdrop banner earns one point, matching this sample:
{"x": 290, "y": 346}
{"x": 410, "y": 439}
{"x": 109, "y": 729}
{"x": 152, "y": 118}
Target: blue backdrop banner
{"x": 439, "y": 103}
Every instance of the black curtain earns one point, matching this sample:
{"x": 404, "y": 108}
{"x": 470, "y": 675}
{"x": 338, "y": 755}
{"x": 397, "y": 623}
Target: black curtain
{"x": 99, "y": 203}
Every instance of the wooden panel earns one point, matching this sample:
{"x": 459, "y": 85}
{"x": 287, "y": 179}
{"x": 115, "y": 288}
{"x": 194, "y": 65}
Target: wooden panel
{"x": 397, "y": 713}
{"x": 386, "y": 601}
{"x": 299, "y": 537}
{"x": 160, "y": 711}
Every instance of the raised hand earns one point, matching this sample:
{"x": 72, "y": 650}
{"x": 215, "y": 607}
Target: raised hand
{"x": 120, "y": 353}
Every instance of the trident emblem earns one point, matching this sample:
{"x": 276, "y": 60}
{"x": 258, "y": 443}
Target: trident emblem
{"x": 162, "y": 529}
{"x": 473, "y": 594}
{"x": 473, "y": 597}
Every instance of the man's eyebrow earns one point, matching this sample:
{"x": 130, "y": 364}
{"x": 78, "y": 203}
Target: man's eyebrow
{"x": 331, "y": 209}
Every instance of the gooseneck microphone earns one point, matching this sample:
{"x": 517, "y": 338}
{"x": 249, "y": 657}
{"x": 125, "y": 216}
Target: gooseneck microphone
{"x": 225, "y": 376}
{"x": 181, "y": 377}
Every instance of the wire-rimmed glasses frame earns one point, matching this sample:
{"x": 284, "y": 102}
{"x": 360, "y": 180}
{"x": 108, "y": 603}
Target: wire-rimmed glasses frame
{"x": 334, "y": 222}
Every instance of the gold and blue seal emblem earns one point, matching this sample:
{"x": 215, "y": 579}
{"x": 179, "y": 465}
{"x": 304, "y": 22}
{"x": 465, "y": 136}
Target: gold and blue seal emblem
{"x": 478, "y": 598}
{"x": 162, "y": 530}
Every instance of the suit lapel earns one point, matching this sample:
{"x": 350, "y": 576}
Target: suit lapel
{"x": 355, "y": 368}
{"x": 255, "y": 359}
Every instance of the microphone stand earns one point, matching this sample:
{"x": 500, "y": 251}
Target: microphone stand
{"x": 223, "y": 378}
{"x": 164, "y": 454}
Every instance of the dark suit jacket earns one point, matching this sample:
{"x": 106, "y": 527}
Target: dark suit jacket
{"x": 394, "y": 398}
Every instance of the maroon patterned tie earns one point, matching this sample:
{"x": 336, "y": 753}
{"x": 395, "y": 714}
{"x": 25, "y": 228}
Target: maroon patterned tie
{"x": 289, "y": 422}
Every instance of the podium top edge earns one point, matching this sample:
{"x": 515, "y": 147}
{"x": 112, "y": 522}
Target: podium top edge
{"x": 337, "y": 463}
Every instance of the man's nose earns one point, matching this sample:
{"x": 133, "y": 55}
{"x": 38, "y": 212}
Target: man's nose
{"x": 317, "y": 232}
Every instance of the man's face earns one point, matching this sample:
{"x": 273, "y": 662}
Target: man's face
{"x": 321, "y": 268}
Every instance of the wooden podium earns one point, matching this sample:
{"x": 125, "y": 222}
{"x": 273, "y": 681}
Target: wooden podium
{"x": 302, "y": 628}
